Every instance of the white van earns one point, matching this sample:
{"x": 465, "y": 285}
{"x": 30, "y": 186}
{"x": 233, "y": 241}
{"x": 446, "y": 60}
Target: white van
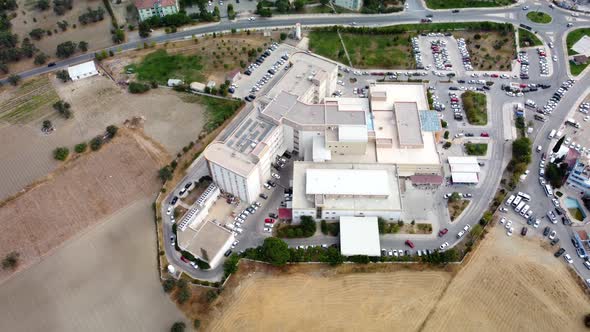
{"x": 552, "y": 134}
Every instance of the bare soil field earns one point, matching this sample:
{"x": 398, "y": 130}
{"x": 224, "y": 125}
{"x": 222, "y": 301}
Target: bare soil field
{"x": 104, "y": 280}
{"x": 78, "y": 196}
{"x": 484, "y": 56}
{"x": 96, "y": 102}
{"x": 28, "y": 18}
{"x": 511, "y": 284}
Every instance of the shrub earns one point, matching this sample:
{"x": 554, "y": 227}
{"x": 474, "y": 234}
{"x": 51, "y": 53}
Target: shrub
{"x": 178, "y": 327}
{"x": 63, "y": 108}
{"x": 165, "y": 173}
{"x": 135, "y": 87}
{"x": 168, "y": 285}
{"x": 112, "y": 130}
{"x": 197, "y": 324}
{"x": 79, "y": 148}
{"x": 184, "y": 294}
{"x": 62, "y": 75}
{"x": 446, "y": 134}
{"x": 11, "y": 261}
{"x": 61, "y": 153}
{"x": 66, "y": 49}
{"x": 96, "y": 143}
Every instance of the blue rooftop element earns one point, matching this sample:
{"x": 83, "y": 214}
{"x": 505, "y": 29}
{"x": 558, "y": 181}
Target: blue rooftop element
{"x": 429, "y": 121}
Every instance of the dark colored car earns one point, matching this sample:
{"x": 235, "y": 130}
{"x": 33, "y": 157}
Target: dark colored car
{"x": 575, "y": 243}
{"x": 263, "y": 196}
{"x": 554, "y": 241}
{"x": 524, "y": 231}
{"x": 455, "y": 11}
{"x": 410, "y": 244}
{"x": 174, "y": 200}
{"x": 51, "y": 64}
{"x": 546, "y": 231}
{"x": 273, "y": 215}
{"x": 227, "y": 253}
{"x": 557, "y": 210}
{"x": 559, "y": 252}
{"x": 272, "y": 184}
{"x": 442, "y": 232}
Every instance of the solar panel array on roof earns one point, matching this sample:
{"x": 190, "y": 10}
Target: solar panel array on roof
{"x": 429, "y": 121}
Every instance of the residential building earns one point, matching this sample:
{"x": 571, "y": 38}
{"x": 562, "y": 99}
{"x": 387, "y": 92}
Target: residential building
{"x": 149, "y": 8}
{"x": 579, "y": 177}
{"x": 355, "y": 5}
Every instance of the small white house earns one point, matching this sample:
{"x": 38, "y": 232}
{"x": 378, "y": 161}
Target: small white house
{"x": 83, "y": 70}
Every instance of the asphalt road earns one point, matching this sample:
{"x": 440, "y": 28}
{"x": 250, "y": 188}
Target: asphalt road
{"x": 483, "y": 194}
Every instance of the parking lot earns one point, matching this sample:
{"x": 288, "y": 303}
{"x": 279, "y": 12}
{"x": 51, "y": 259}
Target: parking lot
{"x": 260, "y": 79}
{"x": 439, "y": 53}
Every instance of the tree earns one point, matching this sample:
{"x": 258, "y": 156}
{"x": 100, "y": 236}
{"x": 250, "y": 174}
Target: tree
{"x": 96, "y": 143}
{"x": 66, "y": 49}
{"x": 13, "y": 79}
{"x": 325, "y": 2}
{"x": 308, "y": 225}
{"x": 454, "y": 197}
{"x": 61, "y": 153}
{"x": 521, "y": 150}
{"x": 47, "y": 124}
{"x": 178, "y": 327}
{"x": 231, "y": 13}
{"x": 62, "y": 75}
{"x": 37, "y": 33}
{"x": 61, "y": 6}
{"x": 587, "y": 320}
{"x": 184, "y": 294}
{"x": 118, "y": 36}
{"x": 27, "y": 48}
{"x": 41, "y": 58}
{"x": 83, "y": 46}
{"x": 165, "y": 173}
{"x": 333, "y": 256}
{"x": 231, "y": 264}
{"x": 275, "y": 251}
{"x": 299, "y": 4}
{"x": 63, "y": 108}
{"x": 79, "y": 148}
{"x": 42, "y": 4}
{"x": 168, "y": 285}
{"x": 144, "y": 30}
{"x": 197, "y": 324}
{"x": 112, "y": 130}
{"x": 11, "y": 261}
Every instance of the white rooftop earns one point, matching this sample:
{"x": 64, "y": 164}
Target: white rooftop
{"x": 352, "y": 133}
{"x": 359, "y": 236}
{"x": 356, "y": 182}
{"x": 467, "y": 177}
{"x": 85, "y": 69}
{"x": 462, "y": 160}
{"x": 582, "y": 46}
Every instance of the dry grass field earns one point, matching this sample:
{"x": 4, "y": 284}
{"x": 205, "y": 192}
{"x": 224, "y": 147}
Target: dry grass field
{"x": 96, "y": 34}
{"x": 510, "y": 284}
{"x": 96, "y": 102}
{"x": 78, "y": 195}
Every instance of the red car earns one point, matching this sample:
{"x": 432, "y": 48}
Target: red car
{"x": 410, "y": 244}
{"x": 484, "y": 134}
{"x": 495, "y": 75}
{"x": 269, "y": 221}
{"x": 182, "y": 258}
{"x": 442, "y": 232}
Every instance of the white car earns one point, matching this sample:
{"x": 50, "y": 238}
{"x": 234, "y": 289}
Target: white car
{"x": 275, "y": 175}
{"x": 252, "y": 18}
{"x": 169, "y": 210}
{"x": 552, "y": 235}
{"x": 502, "y": 221}
{"x": 536, "y": 223}
{"x": 443, "y": 246}
{"x": 568, "y": 258}
{"x": 268, "y": 229}
{"x": 508, "y": 224}
{"x": 555, "y": 202}
{"x": 510, "y": 230}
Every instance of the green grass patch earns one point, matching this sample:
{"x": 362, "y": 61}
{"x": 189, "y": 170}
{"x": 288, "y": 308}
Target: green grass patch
{"x": 577, "y": 69}
{"x": 451, "y": 4}
{"x": 573, "y": 38}
{"x": 28, "y": 101}
{"x": 528, "y": 39}
{"x": 159, "y": 66}
{"x": 476, "y": 149}
{"x": 539, "y": 17}
{"x": 218, "y": 109}
{"x": 390, "y": 47}
{"x": 475, "y": 108}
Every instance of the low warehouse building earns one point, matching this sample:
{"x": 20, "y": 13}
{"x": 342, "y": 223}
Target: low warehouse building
{"x": 359, "y": 236}
{"x": 83, "y": 70}
{"x": 464, "y": 170}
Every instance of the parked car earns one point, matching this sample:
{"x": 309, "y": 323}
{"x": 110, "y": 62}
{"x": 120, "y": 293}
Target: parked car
{"x": 263, "y": 196}
{"x": 568, "y": 258}
{"x": 442, "y": 232}
{"x": 524, "y": 231}
{"x": 559, "y": 252}
{"x": 443, "y": 246}
{"x": 410, "y": 244}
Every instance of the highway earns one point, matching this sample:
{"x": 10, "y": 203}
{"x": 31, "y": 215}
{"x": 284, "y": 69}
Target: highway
{"x": 501, "y": 151}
